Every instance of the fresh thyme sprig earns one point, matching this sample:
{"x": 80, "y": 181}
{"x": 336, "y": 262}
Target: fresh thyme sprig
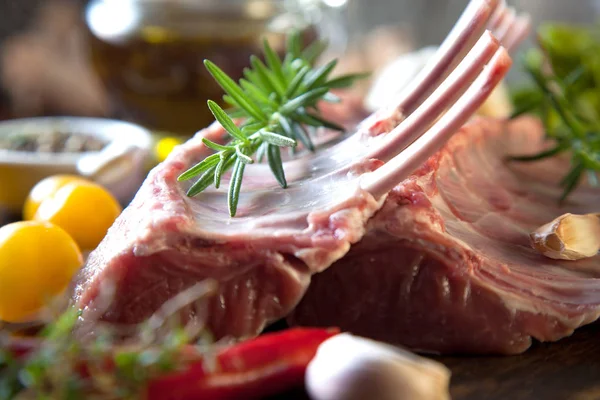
{"x": 37, "y": 373}
{"x": 58, "y": 364}
{"x": 566, "y": 96}
{"x": 276, "y": 106}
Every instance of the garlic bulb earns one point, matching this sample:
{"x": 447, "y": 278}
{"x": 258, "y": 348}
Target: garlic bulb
{"x": 568, "y": 237}
{"x": 348, "y": 367}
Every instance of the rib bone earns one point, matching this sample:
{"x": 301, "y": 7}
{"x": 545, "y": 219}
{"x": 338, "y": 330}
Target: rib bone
{"x": 508, "y": 22}
{"x": 518, "y": 33}
{"x": 393, "y": 172}
{"x": 424, "y": 116}
{"x": 497, "y": 16}
{"x": 466, "y": 31}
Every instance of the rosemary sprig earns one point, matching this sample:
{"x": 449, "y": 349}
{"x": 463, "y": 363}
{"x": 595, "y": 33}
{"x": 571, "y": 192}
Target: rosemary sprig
{"x": 566, "y": 96}
{"x": 276, "y": 106}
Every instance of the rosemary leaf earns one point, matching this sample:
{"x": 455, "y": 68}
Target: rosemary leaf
{"x": 215, "y": 146}
{"x": 277, "y": 139}
{"x": 319, "y": 76}
{"x": 542, "y": 83}
{"x": 257, "y": 94}
{"x": 226, "y": 122}
{"x": 202, "y": 183}
{"x": 254, "y": 78}
{"x": 345, "y": 81}
{"x": 236, "y": 112}
{"x": 302, "y": 134}
{"x": 295, "y": 130}
{"x": 274, "y": 63}
{"x": 296, "y": 81}
{"x": 243, "y": 157}
{"x": 294, "y": 44}
{"x": 303, "y": 100}
{"x": 202, "y": 166}
{"x": 276, "y": 165}
{"x": 316, "y": 121}
{"x": 267, "y": 76}
{"x": 252, "y": 127}
{"x": 229, "y": 100}
{"x": 231, "y": 88}
{"x": 314, "y": 78}
{"x": 571, "y": 180}
{"x": 224, "y": 164}
{"x": 314, "y": 51}
{"x": 235, "y": 185}
{"x": 259, "y": 78}
{"x": 589, "y": 161}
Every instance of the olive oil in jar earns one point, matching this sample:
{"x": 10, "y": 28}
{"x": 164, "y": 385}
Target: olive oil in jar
{"x": 150, "y": 53}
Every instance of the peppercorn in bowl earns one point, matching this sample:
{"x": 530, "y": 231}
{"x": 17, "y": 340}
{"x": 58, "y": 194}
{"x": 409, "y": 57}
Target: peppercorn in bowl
{"x": 110, "y": 152}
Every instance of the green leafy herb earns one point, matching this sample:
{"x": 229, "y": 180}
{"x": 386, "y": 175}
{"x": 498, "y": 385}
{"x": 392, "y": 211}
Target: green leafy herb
{"x": 53, "y": 370}
{"x": 276, "y": 104}
{"x": 60, "y": 366}
{"x": 565, "y": 71}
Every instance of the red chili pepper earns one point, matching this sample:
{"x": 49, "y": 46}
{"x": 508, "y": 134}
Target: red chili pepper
{"x": 270, "y": 364}
{"x": 267, "y": 365}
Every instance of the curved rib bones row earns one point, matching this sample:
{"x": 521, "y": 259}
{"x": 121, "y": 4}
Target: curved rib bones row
{"x": 447, "y": 96}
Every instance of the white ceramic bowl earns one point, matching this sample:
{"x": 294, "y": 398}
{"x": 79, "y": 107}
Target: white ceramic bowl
{"x": 120, "y": 166}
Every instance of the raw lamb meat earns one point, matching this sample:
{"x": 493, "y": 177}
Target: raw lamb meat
{"x": 446, "y": 266}
{"x": 263, "y": 259}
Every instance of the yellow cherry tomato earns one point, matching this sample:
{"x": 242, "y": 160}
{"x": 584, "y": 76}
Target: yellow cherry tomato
{"x": 44, "y": 189}
{"x": 84, "y": 209}
{"x": 37, "y": 262}
{"x": 164, "y": 147}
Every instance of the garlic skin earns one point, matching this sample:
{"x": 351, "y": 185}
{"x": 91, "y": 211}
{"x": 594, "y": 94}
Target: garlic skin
{"x": 568, "y": 237}
{"x": 348, "y": 367}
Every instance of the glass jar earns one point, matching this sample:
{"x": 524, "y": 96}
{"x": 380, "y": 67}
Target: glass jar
{"x": 149, "y": 53}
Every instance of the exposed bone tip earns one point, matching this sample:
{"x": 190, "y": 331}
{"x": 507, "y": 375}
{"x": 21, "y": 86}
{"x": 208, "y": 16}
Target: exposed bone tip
{"x": 491, "y": 37}
{"x": 501, "y": 62}
{"x": 525, "y": 21}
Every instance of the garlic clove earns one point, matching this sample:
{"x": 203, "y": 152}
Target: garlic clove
{"x": 568, "y": 237}
{"x": 348, "y": 367}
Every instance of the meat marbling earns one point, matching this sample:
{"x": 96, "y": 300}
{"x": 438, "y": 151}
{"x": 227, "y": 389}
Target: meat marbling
{"x": 355, "y": 206}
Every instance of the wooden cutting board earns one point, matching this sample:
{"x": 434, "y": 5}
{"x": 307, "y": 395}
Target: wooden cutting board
{"x": 568, "y": 369}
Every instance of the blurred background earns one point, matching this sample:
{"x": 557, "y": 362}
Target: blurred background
{"x": 140, "y": 60}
